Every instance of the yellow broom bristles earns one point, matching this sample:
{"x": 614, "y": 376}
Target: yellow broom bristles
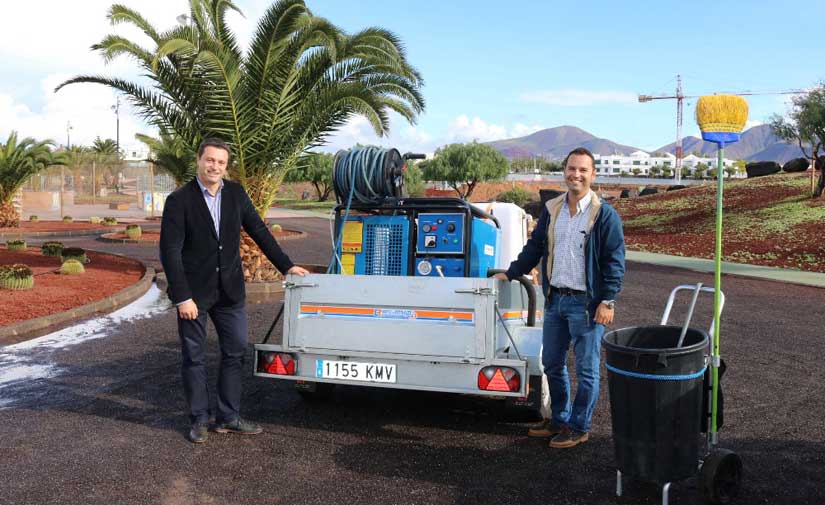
{"x": 721, "y": 113}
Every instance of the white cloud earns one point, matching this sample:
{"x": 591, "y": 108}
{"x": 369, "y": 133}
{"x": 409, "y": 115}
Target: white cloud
{"x": 751, "y": 123}
{"x": 86, "y": 106}
{"x": 403, "y": 136}
{"x": 466, "y": 129}
{"x": 577, "y": 97}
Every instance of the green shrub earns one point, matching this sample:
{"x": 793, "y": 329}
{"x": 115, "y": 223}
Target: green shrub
{"x": 67, "y": 219}
{"x": 133, "y": 231}
{"x": 52, "y": 248}
{"x": 34, "y": 218}
{"x": 109, "y": 221}
{"x": 74, "y": 253}
{"x": 17, "y": 276}
{"x": 72, "y": 267}
{"x": 16, "y": 245}
{"x": 94, "y": 220}
{"x": 516, "y": 195}
{"x": 276, "y": 228}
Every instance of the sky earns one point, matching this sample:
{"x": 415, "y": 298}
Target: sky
{"x": 492, "y": 70}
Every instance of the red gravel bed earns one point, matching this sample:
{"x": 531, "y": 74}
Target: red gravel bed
{"x": 105, "y": 275}
{"x": 47, "y": 226}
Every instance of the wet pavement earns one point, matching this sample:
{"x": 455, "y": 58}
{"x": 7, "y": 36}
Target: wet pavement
{"x": 95, "y": 414}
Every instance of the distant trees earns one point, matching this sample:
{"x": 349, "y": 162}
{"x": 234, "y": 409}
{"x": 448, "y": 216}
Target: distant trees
{"x": 414, "y": 178}
{"x": 805, "y": 125}
{"x": 528, "y": 165}
{"x": 315, "y": 168}
{"x": 636, "y": 171}
{"x": 463, "y": 166}
{"x": 654, "y": 171}
{"x": 105, "y": 147}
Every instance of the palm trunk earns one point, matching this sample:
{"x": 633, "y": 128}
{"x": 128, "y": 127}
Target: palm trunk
{"x": 256, "y": 267}
{"x": 8, "y": 215}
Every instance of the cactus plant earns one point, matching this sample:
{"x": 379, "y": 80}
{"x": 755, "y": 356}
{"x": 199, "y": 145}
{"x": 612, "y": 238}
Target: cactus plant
{"x": 73, "y": 253}
{"x": 109, "y": 221}
{"x": 94, "y": 220}
{"x": 16, "y": 245}
{"x": 67, "y": 219}
{"x": 276, "y": 228}
{"x": 52, "y": 248}
{"x": 34, "y": 218}
{"x": 17, "y": 276}
{"x": 133, "y": 231}
{"x": 72, "y": 267}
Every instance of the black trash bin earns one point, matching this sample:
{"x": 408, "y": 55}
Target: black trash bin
{"x": 656, "y": 400}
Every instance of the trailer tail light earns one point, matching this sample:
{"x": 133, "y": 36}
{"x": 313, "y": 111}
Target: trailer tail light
{"x": 498, "y": 378}
{"x": 277, "y": 363}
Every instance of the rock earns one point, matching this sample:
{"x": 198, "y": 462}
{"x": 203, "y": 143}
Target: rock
{"x": 796, "y": 165}
{"x": 760, "y": 168}
{"x": 625, "y": 193}
{"x": 674, "y": 187}
{"x": 648, "y": 191}
{"x": 533, "y": 208}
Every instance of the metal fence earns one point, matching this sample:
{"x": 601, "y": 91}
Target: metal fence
{"x": 127, "y": 184}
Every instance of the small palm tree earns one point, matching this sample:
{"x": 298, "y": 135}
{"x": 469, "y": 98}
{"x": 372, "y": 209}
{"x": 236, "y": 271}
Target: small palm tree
{"x": 171, "y": 154}
{"x": 19, "y": 160}
{"x": 106, "y": 147}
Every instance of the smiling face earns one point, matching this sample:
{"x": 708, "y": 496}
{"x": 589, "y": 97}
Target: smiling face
{"x": 579, "y": 174}
{"x": 212, "y": 166}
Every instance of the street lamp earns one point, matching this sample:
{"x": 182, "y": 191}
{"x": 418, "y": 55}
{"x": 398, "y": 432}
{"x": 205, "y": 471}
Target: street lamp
{"x": 116, "y": 108}
{"x": 68, "y": 129}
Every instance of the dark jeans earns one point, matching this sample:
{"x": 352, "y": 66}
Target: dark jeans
{"x": 231, "y": 324}
{"x": 566, "y": 321}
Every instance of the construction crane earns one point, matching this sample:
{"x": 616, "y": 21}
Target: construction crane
{"x": 680, "y": 97}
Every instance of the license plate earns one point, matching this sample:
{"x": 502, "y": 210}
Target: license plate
{"x": 355, "y": 371}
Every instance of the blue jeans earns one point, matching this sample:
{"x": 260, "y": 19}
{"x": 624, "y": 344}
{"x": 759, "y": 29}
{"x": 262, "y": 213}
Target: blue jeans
{"x": 566, "y": 321}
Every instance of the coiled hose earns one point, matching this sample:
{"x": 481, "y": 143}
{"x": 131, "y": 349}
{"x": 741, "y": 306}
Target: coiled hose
{"x": 366, "y": 175}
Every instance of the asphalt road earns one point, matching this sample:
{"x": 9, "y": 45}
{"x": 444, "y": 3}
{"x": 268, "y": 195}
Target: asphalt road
{"x": 100, "y": 417}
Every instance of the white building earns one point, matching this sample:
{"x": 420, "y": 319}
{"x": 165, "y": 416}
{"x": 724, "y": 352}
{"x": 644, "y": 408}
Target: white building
{"x": 639, "y": 163}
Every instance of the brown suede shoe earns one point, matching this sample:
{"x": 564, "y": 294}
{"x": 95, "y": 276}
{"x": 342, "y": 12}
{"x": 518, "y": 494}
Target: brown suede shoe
{"x": 569, "y": 438}
{"x": 546, "y": 429}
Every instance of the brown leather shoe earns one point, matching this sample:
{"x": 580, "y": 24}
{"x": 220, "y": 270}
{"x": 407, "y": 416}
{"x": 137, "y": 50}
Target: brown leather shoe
{"x": 569, "y": 438}
{"x": 198, "y": 433}
{"x": 546, "y": 429}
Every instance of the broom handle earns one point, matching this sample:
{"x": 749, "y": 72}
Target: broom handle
{"x": 720, "y": 177}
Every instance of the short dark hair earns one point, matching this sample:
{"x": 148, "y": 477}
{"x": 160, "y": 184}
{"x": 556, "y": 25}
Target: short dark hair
{"x": 214, "y": 142}
{"x": 580, "y": 151}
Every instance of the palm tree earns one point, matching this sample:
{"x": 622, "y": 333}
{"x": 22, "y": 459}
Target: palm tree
{"x": 300, "y": 80}
{"x": 172, "y": 154}
{"x": 106, "y": 147}
{"x": 19, "y": 161}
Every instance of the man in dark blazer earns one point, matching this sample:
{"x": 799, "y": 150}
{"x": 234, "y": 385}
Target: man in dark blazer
{"x": 200, "y": 252}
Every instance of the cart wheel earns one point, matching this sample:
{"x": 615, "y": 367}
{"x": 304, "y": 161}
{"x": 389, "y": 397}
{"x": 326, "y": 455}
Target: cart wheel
{"x": 721, "y": 476}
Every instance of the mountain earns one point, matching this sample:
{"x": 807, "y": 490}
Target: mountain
{"x": 757, "y": 144}
{"x": 555, "y": 143}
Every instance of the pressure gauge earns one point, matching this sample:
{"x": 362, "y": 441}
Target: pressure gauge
{"x": 425, "y": 267}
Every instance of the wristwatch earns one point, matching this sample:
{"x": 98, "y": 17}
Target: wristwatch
{"x": 610, "y": 304}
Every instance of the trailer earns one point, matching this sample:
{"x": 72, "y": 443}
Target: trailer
{"x": 409, "y": 303}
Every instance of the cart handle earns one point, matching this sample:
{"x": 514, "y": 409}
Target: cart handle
{"x": 531, "y": 293}
{"x": 691, "y": 287}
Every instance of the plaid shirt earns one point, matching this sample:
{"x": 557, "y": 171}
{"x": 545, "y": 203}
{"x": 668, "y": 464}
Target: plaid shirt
{"x": 568, "y": 248}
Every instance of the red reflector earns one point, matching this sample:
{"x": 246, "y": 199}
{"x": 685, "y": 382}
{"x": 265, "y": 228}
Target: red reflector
{"x": 282, "y": 364}
{"x": 498, "y": 379}
{"x": 498, "y": 383}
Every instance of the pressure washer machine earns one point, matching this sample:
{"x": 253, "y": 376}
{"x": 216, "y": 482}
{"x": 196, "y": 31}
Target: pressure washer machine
{"x": 407, "y": 301}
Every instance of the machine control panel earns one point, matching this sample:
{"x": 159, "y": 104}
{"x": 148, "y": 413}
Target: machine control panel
{"x": 440, "y": 233}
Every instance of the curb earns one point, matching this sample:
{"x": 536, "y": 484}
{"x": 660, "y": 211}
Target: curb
{"x": 30, "y": 328}
{"x": 112, "y": 240}
{"x": 69, "y": 233}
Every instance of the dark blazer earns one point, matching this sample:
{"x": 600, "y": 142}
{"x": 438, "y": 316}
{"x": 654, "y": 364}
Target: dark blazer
{"x": 196, "y": 263}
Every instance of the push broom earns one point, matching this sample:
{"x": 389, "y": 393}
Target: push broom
{"x": 721, "y": 119}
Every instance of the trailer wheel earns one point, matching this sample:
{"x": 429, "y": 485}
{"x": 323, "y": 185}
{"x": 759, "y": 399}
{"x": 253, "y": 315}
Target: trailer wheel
{"x": 315, "y": 391}
{"x": 721, "y": 477}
